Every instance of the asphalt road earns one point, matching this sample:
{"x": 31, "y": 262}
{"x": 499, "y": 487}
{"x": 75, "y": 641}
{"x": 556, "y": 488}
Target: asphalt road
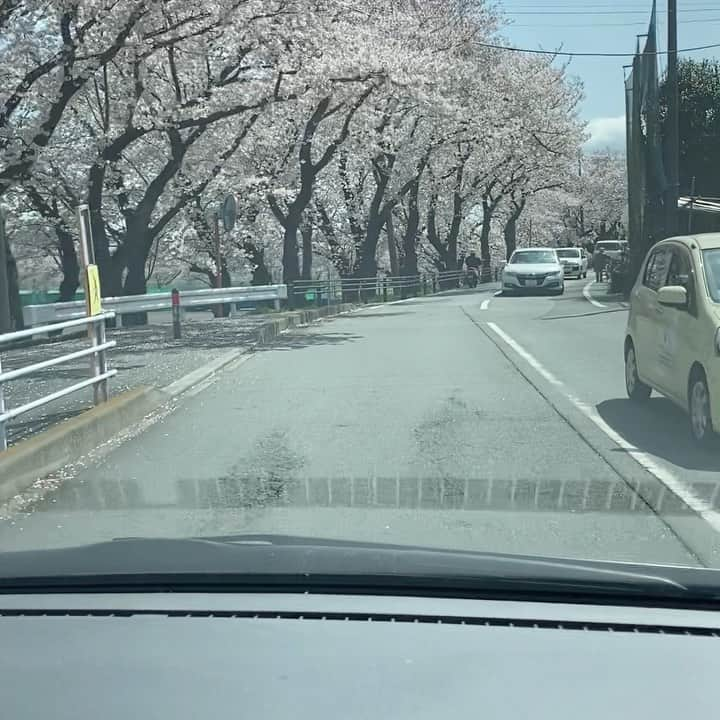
{"x": 466, "y": 420}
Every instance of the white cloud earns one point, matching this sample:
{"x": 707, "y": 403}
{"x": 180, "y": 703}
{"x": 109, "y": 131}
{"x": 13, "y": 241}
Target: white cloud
{"x": 606, "y": 133}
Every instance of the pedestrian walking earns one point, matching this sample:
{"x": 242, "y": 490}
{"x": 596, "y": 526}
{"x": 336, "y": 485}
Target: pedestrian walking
{"x": 599, "y": 263}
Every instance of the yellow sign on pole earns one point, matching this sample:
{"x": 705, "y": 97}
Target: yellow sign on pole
{"x": 93, "y": 297}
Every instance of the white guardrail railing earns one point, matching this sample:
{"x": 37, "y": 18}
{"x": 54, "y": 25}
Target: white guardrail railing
{"x": 58, "y": 312}
{"x": 98, "y": 375}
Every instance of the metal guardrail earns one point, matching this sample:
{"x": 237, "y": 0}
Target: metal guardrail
{"x": 59, "y": 312}
{"x": 99, "y": 374}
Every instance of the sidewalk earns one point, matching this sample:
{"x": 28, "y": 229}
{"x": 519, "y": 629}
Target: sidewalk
{"x": 145, "y": 355}
{"x": 600, "y": 293}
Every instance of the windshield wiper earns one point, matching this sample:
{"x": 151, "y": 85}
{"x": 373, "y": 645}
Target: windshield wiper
{"x": 276, "y": 563}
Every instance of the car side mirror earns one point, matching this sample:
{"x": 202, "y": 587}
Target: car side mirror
{"x": 673, "y": 296}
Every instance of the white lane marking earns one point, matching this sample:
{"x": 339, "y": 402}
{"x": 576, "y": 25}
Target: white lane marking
{"x": 485, "y": 304}
{"x": 498, "y": 293}
{"x": 589, "y": 297}
{"x": 646, "y": 461}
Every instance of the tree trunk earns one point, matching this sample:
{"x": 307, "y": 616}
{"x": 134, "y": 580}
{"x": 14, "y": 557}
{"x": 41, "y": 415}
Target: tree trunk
{"x": 485, "y": 273}
{"x": 434, "y": 236}
{"x": 260, "y": 273}
{"x": 392, "y": 245}
{"x": 291, "y": 265}
{"x": 306, "y": 232}
{"x": 410, "y": 263}
{"x": 110, "y": 274}
{"x": 510, "y": 234}
{"x": 69, "y": 265}
{"x": 510, "y": 229}
{"x": 366, "y": 261}
{"x": 135, "y": 284}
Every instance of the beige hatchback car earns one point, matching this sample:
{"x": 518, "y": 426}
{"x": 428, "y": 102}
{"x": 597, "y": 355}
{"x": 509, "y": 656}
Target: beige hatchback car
{"x": 672, "y": 341}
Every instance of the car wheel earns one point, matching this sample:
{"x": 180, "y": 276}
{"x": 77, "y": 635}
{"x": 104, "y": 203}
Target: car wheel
{"x": 636, "y": 389}
{"x": 699, "y": 408}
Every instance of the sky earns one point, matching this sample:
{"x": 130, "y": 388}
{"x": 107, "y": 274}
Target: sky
{"x": 606, "y": 26}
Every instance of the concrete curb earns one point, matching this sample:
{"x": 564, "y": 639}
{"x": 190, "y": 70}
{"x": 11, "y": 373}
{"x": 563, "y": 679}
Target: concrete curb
{"x": 31, "y": 459}
{"x": 268, "y": 332}
{"x": 34, "y": 458}
{"x": 202, "y": 373}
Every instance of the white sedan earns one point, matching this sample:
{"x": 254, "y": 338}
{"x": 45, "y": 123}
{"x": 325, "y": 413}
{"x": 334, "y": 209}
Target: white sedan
{"x": 533, "y": 270}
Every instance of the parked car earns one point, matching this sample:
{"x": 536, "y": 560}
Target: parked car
{"x": 672, "y": 342}
{"x": 533, "y": 269}
{"x": 614, "y": 249}
{"x": 574, "y": 261}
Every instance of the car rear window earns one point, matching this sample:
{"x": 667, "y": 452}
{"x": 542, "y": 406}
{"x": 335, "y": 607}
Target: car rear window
{"x": 527, "y": 257}
{"x": 610, "y": 245}
{"x": 568, "y": 253}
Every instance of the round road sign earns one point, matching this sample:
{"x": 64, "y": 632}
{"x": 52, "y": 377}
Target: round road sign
{"x": 229, "y": 212}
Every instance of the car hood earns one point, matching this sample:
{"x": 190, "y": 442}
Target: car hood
{"x": 531, "y": 268}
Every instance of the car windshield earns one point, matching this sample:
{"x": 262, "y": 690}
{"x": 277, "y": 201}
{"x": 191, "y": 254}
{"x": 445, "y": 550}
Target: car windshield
{"x": 711, "y": 263}
{"x": 328, "y": 269}
{"x": 531, "y": 257}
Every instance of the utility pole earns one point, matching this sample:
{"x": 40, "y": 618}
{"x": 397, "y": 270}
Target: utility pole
{"x": 218, "y": 261}
{"x": 5, "y": 315}
{"x": 672, "y": 126}
{"x": 690, "y": 207}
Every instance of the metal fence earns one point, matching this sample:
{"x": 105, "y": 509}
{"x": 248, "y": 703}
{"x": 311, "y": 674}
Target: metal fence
{"x": 382, "y": 288}
{"x": 98, "y": 375}
{"x": 57, "y": 312}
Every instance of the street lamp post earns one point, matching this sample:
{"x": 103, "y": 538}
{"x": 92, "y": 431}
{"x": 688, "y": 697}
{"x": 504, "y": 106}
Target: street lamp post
{"x": 672, "y": 126}
{"x": 5, "y": 315}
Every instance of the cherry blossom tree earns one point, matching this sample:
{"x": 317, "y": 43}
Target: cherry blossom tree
{"x": 600, "y": 206}
{"x": 377, "y": 133}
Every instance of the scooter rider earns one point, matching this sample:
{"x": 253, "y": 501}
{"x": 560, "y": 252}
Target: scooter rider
{"x": 472, "y": 262}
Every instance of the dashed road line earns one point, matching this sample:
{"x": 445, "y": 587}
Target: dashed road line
{"x": 485, "y": 305}
{"x": 646, "y": 461}
{"x": 589, "y": 297}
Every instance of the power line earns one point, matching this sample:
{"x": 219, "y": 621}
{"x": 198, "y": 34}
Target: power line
{"x": 591, "y": 5}
{"x": 587, "y": 54}
{"x": 598, "y": 12}
{"x": 621, "y": 24}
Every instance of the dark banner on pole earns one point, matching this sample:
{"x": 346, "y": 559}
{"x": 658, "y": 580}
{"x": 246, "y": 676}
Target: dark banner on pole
{"x": 647, "y": 183}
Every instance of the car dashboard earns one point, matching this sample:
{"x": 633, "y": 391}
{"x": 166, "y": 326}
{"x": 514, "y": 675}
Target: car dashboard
{"x": 282, "y": 655}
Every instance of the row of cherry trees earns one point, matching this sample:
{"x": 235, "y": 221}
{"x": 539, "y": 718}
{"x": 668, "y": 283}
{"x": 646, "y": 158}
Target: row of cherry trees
{"x": 363, "y": 133}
